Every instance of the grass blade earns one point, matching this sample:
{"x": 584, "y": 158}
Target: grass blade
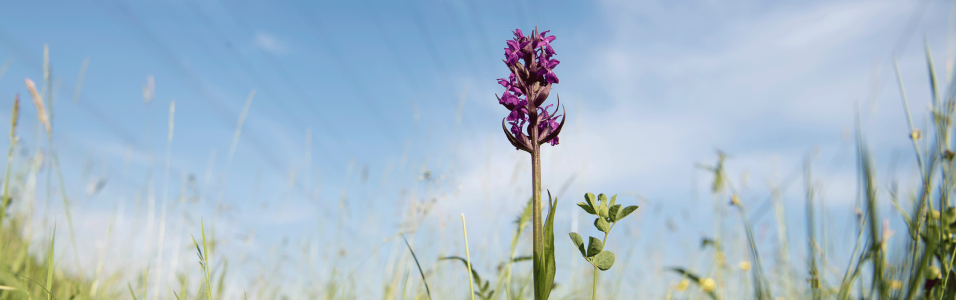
{"x": 49, "y": 263}
{"x": 471, "y": 277}
{"x": 405, "y": 289}
{"x": 5, "y": 200}
{"x": 131, "y": 293}
{"x": 427, "y": 290}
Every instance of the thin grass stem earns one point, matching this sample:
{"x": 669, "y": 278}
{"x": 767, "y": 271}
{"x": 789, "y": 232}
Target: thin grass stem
{"x": 471, "y": 280}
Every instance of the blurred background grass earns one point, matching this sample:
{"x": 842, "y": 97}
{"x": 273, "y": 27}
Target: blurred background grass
{"x": 310, "y": 137}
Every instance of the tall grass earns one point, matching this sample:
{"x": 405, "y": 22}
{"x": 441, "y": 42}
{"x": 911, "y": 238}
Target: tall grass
{"x": 923, "y": 269}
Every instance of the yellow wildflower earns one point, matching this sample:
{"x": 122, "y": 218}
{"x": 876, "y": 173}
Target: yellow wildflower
{"x": 744, "y": 265}
{"x": 708, "y": 285}
{"x": 896, "y": 284}
{"x": 683, "y": 285}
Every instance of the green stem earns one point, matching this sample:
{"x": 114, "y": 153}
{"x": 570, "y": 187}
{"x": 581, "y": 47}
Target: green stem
{"x": 538, "y": 239}
{"x": 471, "y": 280}
{"x": 594, "y": 286}
{"x": 6, "y": 177}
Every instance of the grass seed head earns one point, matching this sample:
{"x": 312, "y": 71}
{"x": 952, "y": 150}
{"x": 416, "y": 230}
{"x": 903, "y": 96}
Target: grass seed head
{"x": 16, "y": 113}
{"x": 38, "y": 102}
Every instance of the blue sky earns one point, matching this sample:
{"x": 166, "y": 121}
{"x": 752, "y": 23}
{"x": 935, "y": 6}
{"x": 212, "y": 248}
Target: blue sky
{"x": 391, "y": 90}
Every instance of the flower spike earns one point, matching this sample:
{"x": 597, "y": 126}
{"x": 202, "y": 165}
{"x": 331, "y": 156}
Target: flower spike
{"x": 529, "y": 58}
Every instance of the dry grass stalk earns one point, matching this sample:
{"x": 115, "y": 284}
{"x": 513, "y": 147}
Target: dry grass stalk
{"x": 41, "y": 109}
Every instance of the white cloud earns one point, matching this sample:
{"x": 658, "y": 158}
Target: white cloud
{"x": 759, "y": 85}
{"x": 270, "y": 43}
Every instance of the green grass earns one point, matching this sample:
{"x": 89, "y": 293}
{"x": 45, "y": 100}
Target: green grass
{"x": 919, "y": 267}
{"x": 27, "y": 274}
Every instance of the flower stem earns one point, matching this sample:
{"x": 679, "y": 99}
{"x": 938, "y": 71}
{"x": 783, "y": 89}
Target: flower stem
{"x": 536, "y": 207}
{"x": 594, "y": 285}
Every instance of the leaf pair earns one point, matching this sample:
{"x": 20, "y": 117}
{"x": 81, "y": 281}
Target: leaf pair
{"x": 595, "y": 252}
{"x": 608, "y": 213}
{"x": 605, "y": 209}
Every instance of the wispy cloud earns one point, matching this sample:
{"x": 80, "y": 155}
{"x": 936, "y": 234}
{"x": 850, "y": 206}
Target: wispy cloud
{"x": 763, "y": 84}
{"x": 270, "y": 43}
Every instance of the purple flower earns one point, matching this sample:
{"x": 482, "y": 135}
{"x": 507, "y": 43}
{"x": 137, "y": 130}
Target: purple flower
{"x": 547, "y": 69}
{"x": 512, "y": 102}
{"x": 519, "y": 35}
{"x": 513, "y": 52}
{"x": 520, "y": 112}
{"x": 545, "y": 43}
{"x": 526, "y": 89}
{"x": 516, "y": 126}
{"x": 547, "y": 124}
{"x": 510, "y": 85}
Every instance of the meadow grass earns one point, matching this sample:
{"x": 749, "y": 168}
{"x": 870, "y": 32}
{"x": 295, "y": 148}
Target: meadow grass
{"x": 923, "y": 269}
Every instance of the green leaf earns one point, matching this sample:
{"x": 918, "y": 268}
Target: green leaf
{"x": 465, "y": 261}
{"x": 602, "y": 224}
{"x": 624, "y": 212}
{"x": 131, "y": 293}
{"x": 612, "y": 212}
{"x": 708, "y": 242}
{"x": 592, "y": 200}
{"x": 949, "y": 216}
{"x": 427, "y": 291}
{"x": 604, "y": 260}
{"x": 602, "y": 212}
{"x": 586, "y": 207}
{"x": 595, "y": 246}
{"x": 521, "y": 258}
{"x": 578, "y": 241}
{"x": 603, "y": 199}
{"x": 544, "y": 267}
{"x": 613, "y": 199}
{"x": 49, "y": 264}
